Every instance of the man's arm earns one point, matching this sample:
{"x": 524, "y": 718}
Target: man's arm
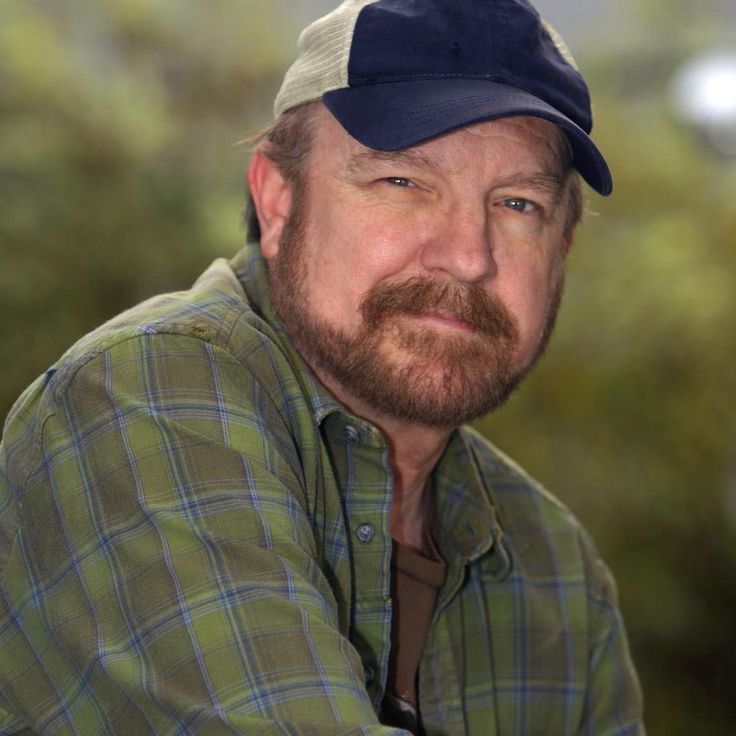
{"x": 164, "y": 578}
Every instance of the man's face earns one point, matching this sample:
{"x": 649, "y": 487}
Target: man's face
{"x": 422, "y": 285}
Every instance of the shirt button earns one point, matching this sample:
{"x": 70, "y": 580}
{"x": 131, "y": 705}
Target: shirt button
{"x": 369, "y": 674}
{"x": 352, "y": 433}
{"x": 365, "y": 533}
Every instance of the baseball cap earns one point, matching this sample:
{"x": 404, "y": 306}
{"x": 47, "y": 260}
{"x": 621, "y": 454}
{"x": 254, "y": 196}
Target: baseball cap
{"x": 395, "y": 73}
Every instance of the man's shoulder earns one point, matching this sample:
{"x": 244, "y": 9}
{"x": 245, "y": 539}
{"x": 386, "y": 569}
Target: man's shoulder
{"x": 504, "y": 477}
{"x": 215, "y": 313}
{"x": 213, "y": 316}
{"x": 208, "y": 311}
{"x": 533, "y": 519}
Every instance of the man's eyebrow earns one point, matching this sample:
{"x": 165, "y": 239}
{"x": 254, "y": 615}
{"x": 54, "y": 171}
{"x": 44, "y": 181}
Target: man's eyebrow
{"x": 358, "y": 162}
{"x": 544, "y": 182}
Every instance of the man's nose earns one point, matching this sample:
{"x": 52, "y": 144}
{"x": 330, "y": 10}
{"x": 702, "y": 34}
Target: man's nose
{"x": 460, "y": 243}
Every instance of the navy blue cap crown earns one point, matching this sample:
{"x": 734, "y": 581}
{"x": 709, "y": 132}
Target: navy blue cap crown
{"x": 420, "y": 68}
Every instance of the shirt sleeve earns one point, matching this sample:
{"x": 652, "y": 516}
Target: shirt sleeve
{"x": 614, "y": 701}
{"x": 165, "y": 577}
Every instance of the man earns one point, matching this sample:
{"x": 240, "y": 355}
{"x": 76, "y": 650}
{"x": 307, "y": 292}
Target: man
{"x": 251, "y": 507}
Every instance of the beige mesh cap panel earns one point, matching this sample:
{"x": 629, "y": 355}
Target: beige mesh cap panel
{"x": 322, "y": 59}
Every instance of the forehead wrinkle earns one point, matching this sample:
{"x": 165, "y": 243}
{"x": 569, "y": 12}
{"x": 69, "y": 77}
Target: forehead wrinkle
{"x": 358, "y": 162}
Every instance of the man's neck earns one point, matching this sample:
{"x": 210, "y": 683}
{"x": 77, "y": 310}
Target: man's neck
{"x": 414, "y": 454}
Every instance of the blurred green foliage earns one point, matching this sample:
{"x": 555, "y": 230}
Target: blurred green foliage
{"x": 120, "y": 177}
{"x": 119, "y": 171}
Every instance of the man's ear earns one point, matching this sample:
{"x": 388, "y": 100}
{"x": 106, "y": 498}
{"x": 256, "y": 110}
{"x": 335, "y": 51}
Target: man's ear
{"x": 569, "y": 239}
{"x": 272, "y": 198}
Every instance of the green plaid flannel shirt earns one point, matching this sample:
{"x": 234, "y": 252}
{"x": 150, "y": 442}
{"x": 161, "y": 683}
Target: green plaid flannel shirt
{"x": 194, "y": 539}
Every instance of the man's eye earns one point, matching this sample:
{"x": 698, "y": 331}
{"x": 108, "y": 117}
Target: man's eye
{"x": 399, "y": 181}
{"x": 519, "y": 205}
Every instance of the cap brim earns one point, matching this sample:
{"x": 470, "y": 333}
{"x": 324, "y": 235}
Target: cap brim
{"x": 395, "y": 115}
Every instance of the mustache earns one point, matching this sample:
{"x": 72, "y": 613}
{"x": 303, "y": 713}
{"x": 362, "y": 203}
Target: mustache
{"x": 419, "y": 295}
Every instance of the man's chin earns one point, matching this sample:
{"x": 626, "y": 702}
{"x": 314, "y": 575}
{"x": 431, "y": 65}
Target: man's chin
{"x": 437, "y": 324}
{"x": 440, "y": 342}
{"x": 433, "y": 405}
{"x": 434, "y": 383}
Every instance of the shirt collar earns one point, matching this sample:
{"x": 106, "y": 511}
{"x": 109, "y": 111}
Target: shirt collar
{"x": 467, "y": 522}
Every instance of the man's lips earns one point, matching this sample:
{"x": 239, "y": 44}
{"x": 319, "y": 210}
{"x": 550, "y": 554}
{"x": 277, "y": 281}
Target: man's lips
{"x": 445, "y": 320}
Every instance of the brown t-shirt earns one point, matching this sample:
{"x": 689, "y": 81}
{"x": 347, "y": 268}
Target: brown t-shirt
{"x": 415, "y": 581}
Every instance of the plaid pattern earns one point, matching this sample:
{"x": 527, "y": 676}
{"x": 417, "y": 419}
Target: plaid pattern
{"x": 194, "y": 540}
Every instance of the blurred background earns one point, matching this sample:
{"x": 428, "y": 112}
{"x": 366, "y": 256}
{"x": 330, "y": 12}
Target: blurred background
{"x": 121, "y": 176}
